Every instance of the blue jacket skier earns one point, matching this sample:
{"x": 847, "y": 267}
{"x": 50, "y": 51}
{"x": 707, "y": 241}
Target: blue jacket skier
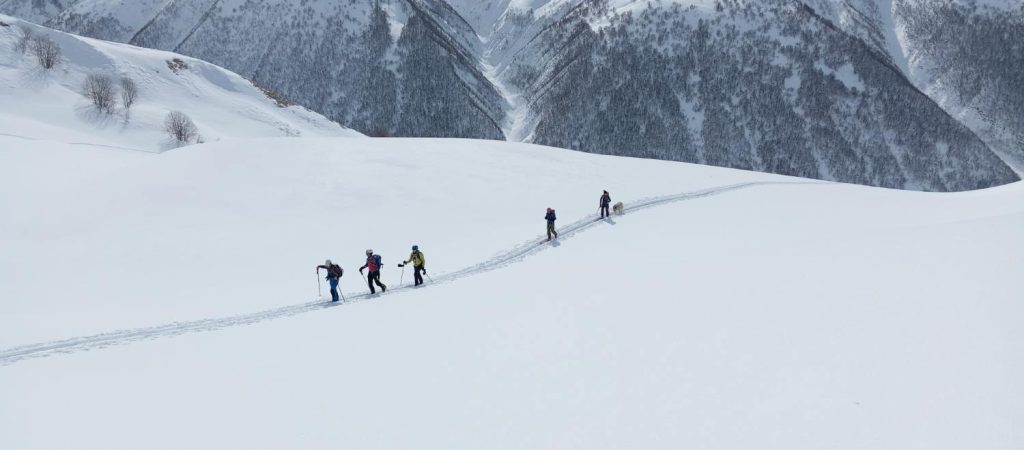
{"x": 334, "y": 273}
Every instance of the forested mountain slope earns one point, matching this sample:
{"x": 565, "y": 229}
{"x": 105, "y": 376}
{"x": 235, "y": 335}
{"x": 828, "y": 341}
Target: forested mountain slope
{"x": 770, "y": 86}
{"x": 969, "y": 56}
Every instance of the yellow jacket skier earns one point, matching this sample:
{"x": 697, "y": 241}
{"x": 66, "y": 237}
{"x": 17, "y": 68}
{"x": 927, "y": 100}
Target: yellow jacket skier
{"x": 419, "y": 263}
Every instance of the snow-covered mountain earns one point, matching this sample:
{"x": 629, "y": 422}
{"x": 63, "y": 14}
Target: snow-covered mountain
{"x": 50, "y": 104}
{"x": 817, "y": 88}
{"x": 723, "y": 310}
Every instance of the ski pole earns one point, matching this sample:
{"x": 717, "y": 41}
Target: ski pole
{"x": 403, "y": 275}
{"x": 319, "y": 291}
{"x": 428, "y": 276}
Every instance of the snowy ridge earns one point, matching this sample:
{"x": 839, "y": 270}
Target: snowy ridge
{"x": 221, "y": 103}
{"x": 514, "y": 255}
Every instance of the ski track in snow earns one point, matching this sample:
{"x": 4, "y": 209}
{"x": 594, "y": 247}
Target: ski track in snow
{"x": 514, "y": 255}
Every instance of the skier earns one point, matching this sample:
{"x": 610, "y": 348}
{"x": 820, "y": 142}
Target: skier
{"x": 373, "y": 263}
{"x": 605, "y": 201}
{"x": 550, "y": 217}
{"x": 334, "y": 273}
{"x": 418, "y": 264}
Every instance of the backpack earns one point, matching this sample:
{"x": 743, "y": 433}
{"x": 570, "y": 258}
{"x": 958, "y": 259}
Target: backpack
{"x": 335, "y": 271}
{"x": 376, "y": 262}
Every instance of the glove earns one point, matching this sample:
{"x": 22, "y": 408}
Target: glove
{"x": 361, "y": 270}
{"x": 401, "y": 265}
{"x": 424, "y": 270}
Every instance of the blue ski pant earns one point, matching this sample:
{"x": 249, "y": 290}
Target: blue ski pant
{"x": 334, "y": 289}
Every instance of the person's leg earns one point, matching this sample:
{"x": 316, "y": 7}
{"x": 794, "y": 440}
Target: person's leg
{"x": 334, "y": 289}
{"x": 376, "y": 279}
{"x": 369, "y": 282}
{"x": 417, "y": 275}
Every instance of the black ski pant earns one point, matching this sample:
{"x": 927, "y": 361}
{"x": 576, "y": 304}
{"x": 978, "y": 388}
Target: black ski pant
{"x": 417, "y": 275}
{"x": 374, "y": 277}
{"x": 604, "y": 211}
{"x": 551, "y": 230}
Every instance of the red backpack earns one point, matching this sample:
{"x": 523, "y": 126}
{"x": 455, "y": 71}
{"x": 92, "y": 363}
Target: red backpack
{"x": 373, "y": 263}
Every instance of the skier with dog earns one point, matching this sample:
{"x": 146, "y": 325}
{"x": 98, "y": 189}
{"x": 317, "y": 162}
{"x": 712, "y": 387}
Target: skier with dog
{"x": 605, "y": 201}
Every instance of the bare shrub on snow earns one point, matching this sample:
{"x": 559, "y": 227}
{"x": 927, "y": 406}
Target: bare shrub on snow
{"x": 99, "y": 89}
{"x": 177, "y": 65}
{"x": 47, "y": 52}
{"x": 181, "y": 128}
{"x": 277, "y": 97}
{"x": 129, "y": 93}
{"x": 25, "y": 35}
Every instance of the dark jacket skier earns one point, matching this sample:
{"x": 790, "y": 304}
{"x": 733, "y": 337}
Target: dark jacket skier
{"x": 373, "y": 263}
{"x": 419, "y": 263}
{"x": 550, "y": 217}
{"x": 605, "y": 201}
{"x": 334, "y": 273}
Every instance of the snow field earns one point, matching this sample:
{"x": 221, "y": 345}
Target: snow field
{"x": 777, "y": 316}
{"x": 237, "y": 227}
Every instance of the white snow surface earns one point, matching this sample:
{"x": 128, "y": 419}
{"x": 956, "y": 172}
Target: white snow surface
{"x": 49, "y": 105}
{"x": 728, "y": 310}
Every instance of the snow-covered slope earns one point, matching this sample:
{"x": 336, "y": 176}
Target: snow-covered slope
{"x": 743, "y": 315}
{"x": 41, "y": 104}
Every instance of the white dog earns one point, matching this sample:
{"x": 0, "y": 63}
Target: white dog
{"x": 617, "y": 209}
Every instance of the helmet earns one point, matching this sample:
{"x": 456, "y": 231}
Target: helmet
{"x": 415, "y": 247}
{"x": 327, "y": 263}
{"x": 369, "y": 252}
